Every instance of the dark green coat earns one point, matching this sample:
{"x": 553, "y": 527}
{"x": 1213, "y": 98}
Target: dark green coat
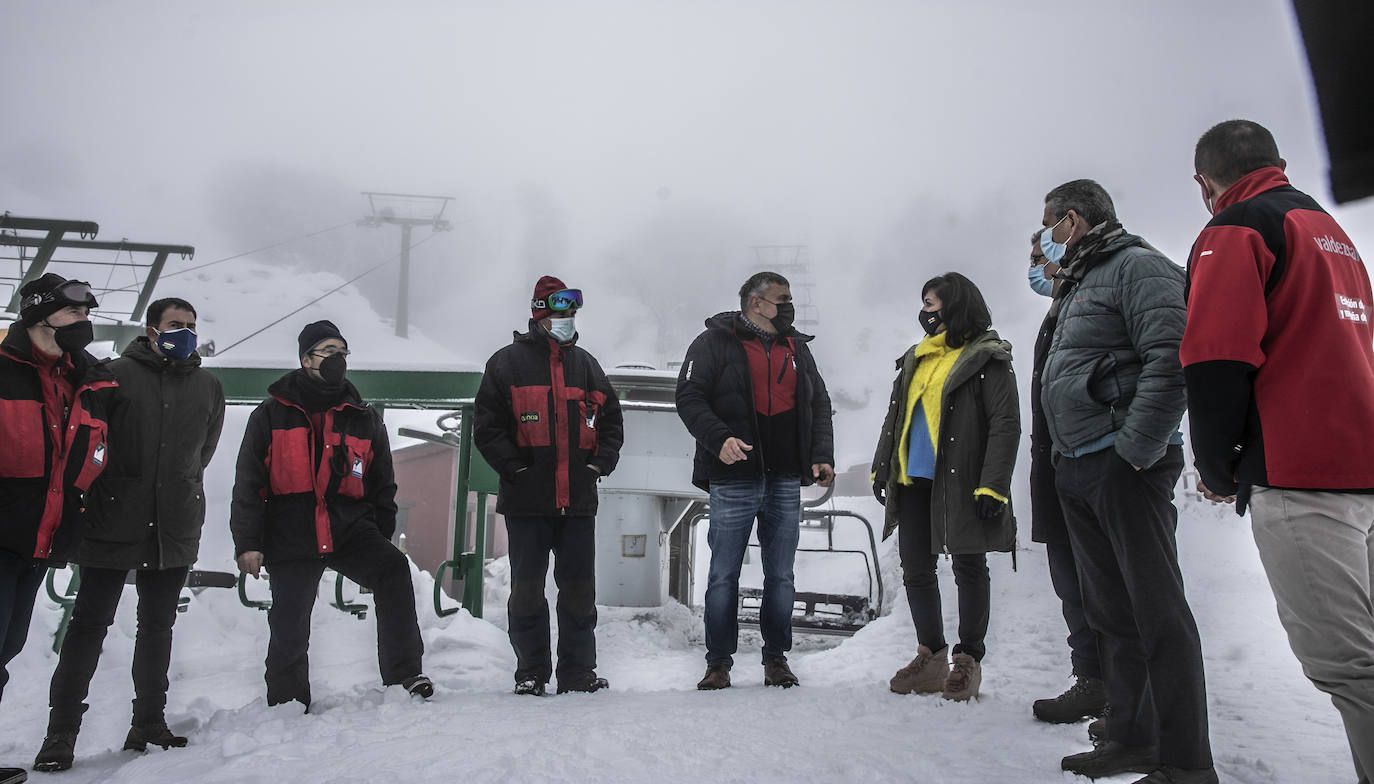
{"x": 980, "y": 432}
{"x": 146, "y": 509}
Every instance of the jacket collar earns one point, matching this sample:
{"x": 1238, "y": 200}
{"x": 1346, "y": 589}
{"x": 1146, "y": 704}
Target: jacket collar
{"x": 1250, "y": 186}
{"x": 86, "y": 369}
{"x": 287, "y": 390}
{"x": 729, "y": 321}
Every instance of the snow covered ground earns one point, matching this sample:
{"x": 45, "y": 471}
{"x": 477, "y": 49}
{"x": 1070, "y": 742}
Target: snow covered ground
{"x": 841, "y": 725}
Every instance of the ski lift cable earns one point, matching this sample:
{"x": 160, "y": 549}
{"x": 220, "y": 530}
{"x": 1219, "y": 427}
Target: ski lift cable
{"x": 246, "y": 253}
{"x": 341, "y": 286}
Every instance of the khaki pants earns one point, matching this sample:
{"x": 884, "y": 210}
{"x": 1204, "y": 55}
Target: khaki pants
{"x": 1318, "y": 551}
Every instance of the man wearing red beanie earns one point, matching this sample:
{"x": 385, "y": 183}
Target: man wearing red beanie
{"x": 549, "y": 422}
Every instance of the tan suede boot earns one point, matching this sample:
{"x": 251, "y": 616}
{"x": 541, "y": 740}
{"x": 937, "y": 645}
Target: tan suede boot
{"x": 965, "y": 676}
{"x": 926, "y": 674}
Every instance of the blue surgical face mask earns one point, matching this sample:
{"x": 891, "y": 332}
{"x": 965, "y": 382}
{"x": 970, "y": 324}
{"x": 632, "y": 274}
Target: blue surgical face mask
{"x": 176, "y": 343}
{"x": 1038, "y": 282}
{"x": 1054, "y": 251}
{"x": 562, "y": 329}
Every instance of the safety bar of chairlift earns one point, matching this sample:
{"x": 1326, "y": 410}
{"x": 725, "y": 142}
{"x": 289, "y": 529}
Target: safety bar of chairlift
{"x": 65, "y": 600}
{"x": 356, "y": 609}
{"x": 468, "y": 566}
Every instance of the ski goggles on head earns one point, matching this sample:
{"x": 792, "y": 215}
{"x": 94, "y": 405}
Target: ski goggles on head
{"x": 73, "y": 292}
{"x": 559, "y": 301}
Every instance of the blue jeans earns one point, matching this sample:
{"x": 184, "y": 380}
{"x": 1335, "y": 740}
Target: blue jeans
{"x": 776, "y": 502}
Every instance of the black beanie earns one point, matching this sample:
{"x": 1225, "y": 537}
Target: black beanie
{"x": 317, "y": 333}
{"x": 35, "y": 290}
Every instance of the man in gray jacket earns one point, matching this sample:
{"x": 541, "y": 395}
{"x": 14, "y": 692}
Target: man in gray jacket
{"x": 144, "y": 513}
{"x": 1113, "y": 395}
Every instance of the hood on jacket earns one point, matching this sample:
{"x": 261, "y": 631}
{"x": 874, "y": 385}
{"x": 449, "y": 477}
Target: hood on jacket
{"x": 728, "y": 321}
{"x": 288, "y": 389}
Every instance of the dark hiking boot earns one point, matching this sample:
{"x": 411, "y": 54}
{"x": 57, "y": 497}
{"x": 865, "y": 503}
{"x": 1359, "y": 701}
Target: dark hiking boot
{"x": 717, "y": 677}
{"x": 140, "y": 735}
{"x": 1085, "y": 699}
{"x": 587, "y": 685}
{"x": 1172, "y": 775}
{"x": 13, "y": 776}
{"x": 531, "y": 687}
{"x": 965, "y": 676}
{"x": 57, "y": 752}
{"x": 926, "y": 674}
{"x": 1112, "y": 758}
{"x": 1097, "y": 728}
{"x": 777, "y": 673}
{"x": 419, "y": 686}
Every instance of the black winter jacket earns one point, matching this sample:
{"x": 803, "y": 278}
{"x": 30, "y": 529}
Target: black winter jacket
{"x": 544, "y": 412}
{"x": 293, "y": 502}
{"x": 42, "y": 480}
{"x": 146, "y": 510}
{"x": 980, "y": 431}
{"x": 715, "y": 400}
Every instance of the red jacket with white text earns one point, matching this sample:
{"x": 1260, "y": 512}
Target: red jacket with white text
{"x": 1279, "y": 350}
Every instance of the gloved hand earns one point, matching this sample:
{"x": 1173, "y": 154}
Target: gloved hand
{"x": 988, "y": 507}
{"x": 880, "y": 492}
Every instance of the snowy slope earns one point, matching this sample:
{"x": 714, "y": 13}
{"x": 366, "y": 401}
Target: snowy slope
{"x": 841, "y": 725}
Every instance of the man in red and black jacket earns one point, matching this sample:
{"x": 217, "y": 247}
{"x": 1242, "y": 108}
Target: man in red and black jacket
{"x": 548, "y": 421}
{"x": 750, "y": 394}
{"x": 54, "y": 397}
{"x": 1279, "y": 359}
{"x": 314, "y": 488}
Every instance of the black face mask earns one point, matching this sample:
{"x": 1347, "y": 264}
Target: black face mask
{"x": 930, "y": 321}
{"x": 73, "y": 337}
{"x": 333, "y": 368}
{"x": 786, "y": 315}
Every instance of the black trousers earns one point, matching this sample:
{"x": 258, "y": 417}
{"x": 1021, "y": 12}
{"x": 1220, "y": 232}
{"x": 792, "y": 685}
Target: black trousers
{"x": 1083, "y": 653}
{"x": 572, "y": 540}
{"x": 367, "y": 559}
{"x": 922, "y": 582}
{"x": 1122, "y": 524}
{"x": 20, "y": 577}
{"x": 94, "y": 611}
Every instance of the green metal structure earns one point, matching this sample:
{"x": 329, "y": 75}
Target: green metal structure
{"x": 441, "y": 390}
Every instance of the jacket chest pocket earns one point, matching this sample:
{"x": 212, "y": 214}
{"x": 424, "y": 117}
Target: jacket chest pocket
{"x": 93, "y": 456}
{"x": 350, "y": 462}
{"x": 589, "y": 410}
{"x": 530, "y": 406}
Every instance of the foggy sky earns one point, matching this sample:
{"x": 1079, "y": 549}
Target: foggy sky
{"x": 639, "y": 149}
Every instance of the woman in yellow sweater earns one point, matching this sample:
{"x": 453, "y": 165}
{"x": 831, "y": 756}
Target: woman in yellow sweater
{"x": 943, "y": 471}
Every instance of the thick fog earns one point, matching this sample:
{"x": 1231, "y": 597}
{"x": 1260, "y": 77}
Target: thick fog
{"x": 643, "y": 150}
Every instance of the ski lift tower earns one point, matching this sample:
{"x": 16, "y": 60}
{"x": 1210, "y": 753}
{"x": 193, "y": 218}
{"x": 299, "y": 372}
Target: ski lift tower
{"x": 406, "y": 210}
{"x": 794, "y": 263}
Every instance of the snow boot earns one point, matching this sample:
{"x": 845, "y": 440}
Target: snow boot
{"x": 965, "y": 676}
{"x": 13, "y": 776}
{"x": 717, "y": 677}
{"x": 140, "y": 735}
{"x": 58, "y": 751}
{"x": 777, "y": 673}
{"x": 419, "y": 686}
{"x": 1085, "y": 699}
{"x": 926, "y": 674}
{"x": 1097, "y": 728}
{"x": 1112, "y": 758}
{"x": 587, "y": 685}
{"x": 1172, "y": 775}
{"x": 531, "y": 687}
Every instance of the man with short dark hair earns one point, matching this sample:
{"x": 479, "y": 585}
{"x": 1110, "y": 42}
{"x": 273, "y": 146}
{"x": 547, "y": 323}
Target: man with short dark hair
{"x": 144, "y": 513}
{"x": 1279, "y": 363}
{"x": 314, "y": 488}
{"x": 750, "y": 394}
{"x": 1112, "y": 392}
{"x": 54, "y": 401}
{"x": 549, "y": 422}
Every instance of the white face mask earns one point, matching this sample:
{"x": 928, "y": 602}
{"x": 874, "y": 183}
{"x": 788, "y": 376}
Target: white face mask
{"x": 563, "y": 329}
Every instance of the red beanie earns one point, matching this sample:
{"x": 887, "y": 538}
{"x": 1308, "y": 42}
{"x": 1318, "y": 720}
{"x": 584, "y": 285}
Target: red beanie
{"x": 539, "y": 302}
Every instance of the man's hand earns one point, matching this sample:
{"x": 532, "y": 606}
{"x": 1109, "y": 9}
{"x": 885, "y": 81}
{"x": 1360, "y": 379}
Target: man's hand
{"x": 733, "y": 451}
{"x": 1213, "y": 497}
{"x": 823, "y": 473}
{"x": 250, "y": 562}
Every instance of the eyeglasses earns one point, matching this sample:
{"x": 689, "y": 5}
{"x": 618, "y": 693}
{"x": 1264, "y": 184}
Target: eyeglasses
{"x": 567, "y": 299}
{"x": 1037, "y": 258}
{"x": 73, "y": 292}
{"x": 326, "y": 353}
